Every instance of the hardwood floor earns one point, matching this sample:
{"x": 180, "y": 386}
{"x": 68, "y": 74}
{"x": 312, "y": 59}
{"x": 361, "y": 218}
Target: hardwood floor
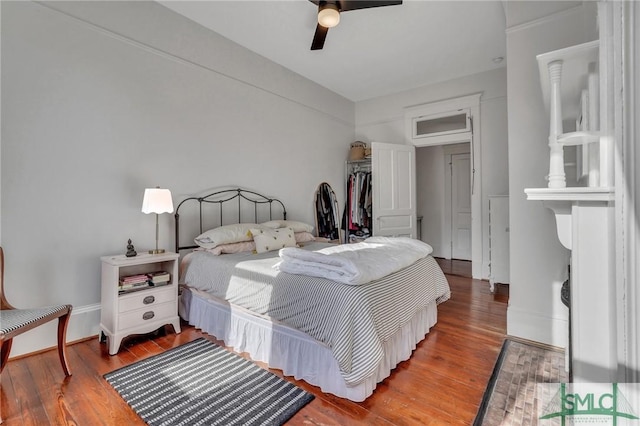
{"x": 455, "y": 267}
{"x": 442, "y": 383}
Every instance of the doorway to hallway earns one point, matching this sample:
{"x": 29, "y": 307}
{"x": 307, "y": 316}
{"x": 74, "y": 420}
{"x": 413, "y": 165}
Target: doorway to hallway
{"x": 457, "y": 217}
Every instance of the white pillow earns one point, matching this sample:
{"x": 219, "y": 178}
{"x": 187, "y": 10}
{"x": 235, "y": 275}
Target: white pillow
{"x": 296, "y": 226}
{"x": 303, "y": 237}
{"x": 233, "y": 248}
{"x": 273, "y": 239}
{"x": 226, "y": 234}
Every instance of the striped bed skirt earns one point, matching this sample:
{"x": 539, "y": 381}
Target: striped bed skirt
{"x": 294, "y": 352}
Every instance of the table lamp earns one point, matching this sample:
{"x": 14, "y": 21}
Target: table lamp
{"x": 157, "y": 201}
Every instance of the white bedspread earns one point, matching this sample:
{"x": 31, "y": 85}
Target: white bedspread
{"x": 354, "y": 264}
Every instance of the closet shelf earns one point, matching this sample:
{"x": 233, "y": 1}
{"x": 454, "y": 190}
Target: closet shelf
{"x": 357, "y": 165}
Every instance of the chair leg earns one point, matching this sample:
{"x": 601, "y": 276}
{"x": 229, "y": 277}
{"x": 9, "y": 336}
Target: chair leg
{"x": 63, "y": 321}
{"x": 4, "y": 356}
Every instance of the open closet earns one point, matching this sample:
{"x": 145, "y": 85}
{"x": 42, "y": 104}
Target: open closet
{"x": 358, "y": 212}
{"x": 381, "y": 198}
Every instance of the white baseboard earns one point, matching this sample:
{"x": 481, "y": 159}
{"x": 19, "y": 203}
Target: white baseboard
{"x": 537, "y": 327}
{"x": 84, "y": 322}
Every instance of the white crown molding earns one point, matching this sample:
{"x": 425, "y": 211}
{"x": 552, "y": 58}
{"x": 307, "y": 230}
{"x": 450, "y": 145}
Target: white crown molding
{"x": 544, "y": 19}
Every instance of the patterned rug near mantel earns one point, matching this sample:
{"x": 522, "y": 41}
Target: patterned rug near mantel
{"x": 202, "y": 383}
{"x": 510, "y": 397}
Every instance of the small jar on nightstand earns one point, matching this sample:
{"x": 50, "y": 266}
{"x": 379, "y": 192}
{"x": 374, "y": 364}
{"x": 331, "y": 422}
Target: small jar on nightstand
{"x": 139, "y": 295}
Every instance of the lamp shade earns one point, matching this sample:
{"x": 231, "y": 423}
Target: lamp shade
{"x": 157, "y": 200}
{"x": 328, "y": 15}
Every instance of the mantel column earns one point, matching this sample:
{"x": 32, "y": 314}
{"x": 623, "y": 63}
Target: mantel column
{"x": 556, "y": 152}
{"x": 593, "y": 293}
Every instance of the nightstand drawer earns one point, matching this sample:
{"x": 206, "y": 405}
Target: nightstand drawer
{"x": 146, "y": 299}
{"x": 151, "y": 313}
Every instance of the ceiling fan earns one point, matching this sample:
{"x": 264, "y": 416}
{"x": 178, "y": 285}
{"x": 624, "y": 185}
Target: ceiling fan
{"x": 329, "y": 15}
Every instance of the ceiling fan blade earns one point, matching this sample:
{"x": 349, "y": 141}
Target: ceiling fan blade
{"x": 346, "y": 5}
{"x": 319, "y": 37}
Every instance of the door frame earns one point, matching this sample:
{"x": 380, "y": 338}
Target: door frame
{"x": 472, "y": 102}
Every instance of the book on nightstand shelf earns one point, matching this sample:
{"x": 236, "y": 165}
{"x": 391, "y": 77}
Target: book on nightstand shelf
{"x": 132, "y": 283}
{"x": 122, "y": 289}
{"x": 132, "y": 279}
{"x": 159, "y": 278}
{"x": 137, "y": 282}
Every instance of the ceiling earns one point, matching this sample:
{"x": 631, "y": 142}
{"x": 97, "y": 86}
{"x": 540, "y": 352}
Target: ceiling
{"x": 372, "y": 52}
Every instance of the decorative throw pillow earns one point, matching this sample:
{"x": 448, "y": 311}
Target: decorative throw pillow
{"x": 273, "y": 239}
{"x": 226, "y": 234}
{"x": 295, "y": 225}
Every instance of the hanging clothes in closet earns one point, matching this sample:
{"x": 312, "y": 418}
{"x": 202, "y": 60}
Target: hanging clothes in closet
{"x": 358, "y": 210}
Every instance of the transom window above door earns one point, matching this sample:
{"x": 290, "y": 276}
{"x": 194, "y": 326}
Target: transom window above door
{"x": 440, "y": 123}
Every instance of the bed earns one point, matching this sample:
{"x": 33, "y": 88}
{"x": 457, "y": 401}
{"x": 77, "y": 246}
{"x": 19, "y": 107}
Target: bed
{"x": 343, "y": 338}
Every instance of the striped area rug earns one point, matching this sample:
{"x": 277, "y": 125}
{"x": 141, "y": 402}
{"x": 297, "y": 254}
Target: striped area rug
{"x": 202, "y": 383}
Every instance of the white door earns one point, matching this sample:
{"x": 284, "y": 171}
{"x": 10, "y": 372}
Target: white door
{"x": 393, "y": 170}
{"x": 460, "y": 206}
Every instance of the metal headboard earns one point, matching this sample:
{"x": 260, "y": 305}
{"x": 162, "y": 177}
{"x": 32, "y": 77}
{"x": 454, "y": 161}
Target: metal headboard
{"x": 244, "y": 197}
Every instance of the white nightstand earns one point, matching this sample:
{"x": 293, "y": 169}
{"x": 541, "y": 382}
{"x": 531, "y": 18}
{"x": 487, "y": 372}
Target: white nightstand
{"x": 143, "y": 309}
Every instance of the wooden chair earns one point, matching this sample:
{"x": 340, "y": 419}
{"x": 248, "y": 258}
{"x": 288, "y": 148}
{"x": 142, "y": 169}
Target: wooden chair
{"x": 15, "y": 321}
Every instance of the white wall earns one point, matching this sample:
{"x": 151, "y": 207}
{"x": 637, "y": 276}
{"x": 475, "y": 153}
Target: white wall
{"x": 538, "y": 262}
{"x": 103, "y": 99}
{"x": 382, "y": 120}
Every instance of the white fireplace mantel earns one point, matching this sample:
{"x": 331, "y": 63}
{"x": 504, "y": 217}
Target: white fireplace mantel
{"x": 584, "y": 219}
{"x": 591, "y": 85}
{"x": 561, "y": 200}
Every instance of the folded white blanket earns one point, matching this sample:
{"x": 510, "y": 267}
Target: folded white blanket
{"x": 354, "y": 264}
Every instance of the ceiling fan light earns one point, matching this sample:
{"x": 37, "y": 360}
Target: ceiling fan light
{"x": 328, "y": 15}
